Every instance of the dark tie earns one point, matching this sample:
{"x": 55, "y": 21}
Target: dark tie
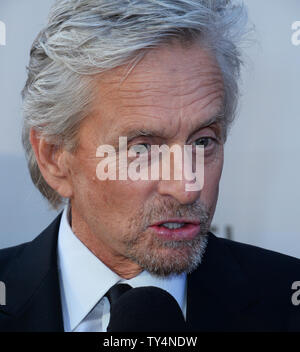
{"x": 115, "y": 292}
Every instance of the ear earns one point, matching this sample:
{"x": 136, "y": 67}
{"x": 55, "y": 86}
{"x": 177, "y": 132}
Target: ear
{"x": 53, "y": 164}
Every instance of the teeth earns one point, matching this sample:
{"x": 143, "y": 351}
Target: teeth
{"x": 172, "y": 225}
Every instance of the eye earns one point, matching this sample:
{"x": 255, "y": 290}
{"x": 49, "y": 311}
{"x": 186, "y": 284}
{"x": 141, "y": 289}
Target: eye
{"x": 204, "y": 141}
{"x": 141, "y": 148}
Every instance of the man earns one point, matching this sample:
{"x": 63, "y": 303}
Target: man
{"x": 158, "y": 73}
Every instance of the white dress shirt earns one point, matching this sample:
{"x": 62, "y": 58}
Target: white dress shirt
{"x": 84, "y": 279}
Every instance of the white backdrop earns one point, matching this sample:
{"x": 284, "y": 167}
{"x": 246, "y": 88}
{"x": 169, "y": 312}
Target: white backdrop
{"x": 259, "y": 192}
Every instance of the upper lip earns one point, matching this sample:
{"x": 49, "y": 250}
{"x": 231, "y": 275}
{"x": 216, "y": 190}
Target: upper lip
{"x": 178, "y": 220}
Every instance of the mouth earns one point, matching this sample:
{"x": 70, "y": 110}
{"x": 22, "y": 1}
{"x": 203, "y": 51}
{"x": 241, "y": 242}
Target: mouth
{"x": 176, "y": 229}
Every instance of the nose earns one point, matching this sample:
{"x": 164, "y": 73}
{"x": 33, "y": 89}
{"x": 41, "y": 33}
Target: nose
{"x": 186, "y": 186}
{"x": 176, "y": 189}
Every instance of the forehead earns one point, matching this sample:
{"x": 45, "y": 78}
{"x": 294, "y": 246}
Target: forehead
{"x": 170, "y": 85}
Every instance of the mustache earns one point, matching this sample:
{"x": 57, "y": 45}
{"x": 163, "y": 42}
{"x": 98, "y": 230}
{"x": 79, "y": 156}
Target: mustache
{"x": 170, "y": 209}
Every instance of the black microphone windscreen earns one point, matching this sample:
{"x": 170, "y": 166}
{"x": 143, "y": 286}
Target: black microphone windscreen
{"x": 146, "y": 309}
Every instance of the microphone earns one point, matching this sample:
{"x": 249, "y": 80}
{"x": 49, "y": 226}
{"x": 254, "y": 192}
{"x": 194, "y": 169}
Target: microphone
{"x": 146, "y": 309}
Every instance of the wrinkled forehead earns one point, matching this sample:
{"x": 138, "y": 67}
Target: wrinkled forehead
{"x": 172, "y": 67}
{"x": 167, "y": 86}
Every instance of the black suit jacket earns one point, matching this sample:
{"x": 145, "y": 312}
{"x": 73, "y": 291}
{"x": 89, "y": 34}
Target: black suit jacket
{"x": 237, "y": 287}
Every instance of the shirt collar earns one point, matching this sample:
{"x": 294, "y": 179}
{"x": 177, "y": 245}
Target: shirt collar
{"x": 84, "y": 278}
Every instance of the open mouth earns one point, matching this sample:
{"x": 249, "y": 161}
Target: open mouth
{"x": 176, "y": 230}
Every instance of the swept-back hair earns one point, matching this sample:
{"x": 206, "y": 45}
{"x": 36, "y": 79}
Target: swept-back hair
{"x": 87, "y": 37}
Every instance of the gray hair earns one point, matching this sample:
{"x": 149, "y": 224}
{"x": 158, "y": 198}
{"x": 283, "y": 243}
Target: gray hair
{"x": 87, "y": 37}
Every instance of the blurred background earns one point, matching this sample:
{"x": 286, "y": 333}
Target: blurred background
{"x": 259, "y": 194}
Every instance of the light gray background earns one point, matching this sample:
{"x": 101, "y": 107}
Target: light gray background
{"x": 259, "y": 193}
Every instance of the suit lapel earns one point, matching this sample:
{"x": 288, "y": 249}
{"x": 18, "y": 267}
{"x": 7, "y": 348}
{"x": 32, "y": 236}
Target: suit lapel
{"x": 218, "y": 291}
{"x": 32, "y": 286}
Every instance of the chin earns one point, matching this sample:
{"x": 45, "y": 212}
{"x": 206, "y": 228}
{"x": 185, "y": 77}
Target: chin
{"x": 164, "y": 258}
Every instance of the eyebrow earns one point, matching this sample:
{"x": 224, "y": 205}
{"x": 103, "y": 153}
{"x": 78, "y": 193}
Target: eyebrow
{"x": 139, "y": 132}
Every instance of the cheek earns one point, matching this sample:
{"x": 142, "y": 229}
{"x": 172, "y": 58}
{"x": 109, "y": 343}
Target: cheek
{"x": 114, "y": 195}
{"x": 116, "y": 199}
